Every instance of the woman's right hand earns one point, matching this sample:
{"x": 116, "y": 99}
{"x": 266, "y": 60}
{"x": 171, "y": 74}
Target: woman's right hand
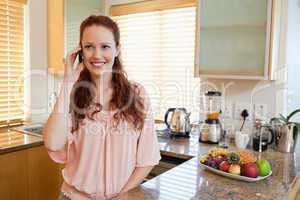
{"x": 71, "y": 73}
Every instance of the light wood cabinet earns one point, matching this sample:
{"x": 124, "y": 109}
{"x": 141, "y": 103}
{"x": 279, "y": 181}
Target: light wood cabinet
{"x": 44, "y": 175}
{"x": 64, "y": 18}
{"x": 14, "y": 176}
{"x": 29, "y": 175}
{"x": 55, "y": 30}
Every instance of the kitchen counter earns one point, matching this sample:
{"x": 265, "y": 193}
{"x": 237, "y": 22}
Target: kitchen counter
{"x": 11, "y": 141}
{"x": 190, "y": 181}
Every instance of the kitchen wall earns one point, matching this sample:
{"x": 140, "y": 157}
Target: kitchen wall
{"x": 292, "y": 56}
{"x": 245, "y": 92}
{"x": 37, "y": 77}
{"x": 282, "y": 95}
{"x": 76, "y": 11}
{"x": 42, "y": 85}
{"x": 267, "y": 93}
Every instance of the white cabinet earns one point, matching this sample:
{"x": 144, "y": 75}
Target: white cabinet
{"x": 233, "y": 39}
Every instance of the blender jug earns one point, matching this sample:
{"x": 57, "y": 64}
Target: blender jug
{"x": 211, "y": 130}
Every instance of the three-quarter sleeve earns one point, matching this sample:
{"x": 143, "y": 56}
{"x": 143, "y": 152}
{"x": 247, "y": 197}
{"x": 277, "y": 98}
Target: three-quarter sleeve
{"x": 148, "y": 151}
{"x": 63, "y": 155}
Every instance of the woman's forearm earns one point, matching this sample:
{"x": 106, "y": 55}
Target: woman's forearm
{"x": 54, "y": 131}
{"x": 136, "y": 178}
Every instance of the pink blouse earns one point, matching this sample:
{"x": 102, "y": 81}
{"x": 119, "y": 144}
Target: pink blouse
{"x": 99, "y": 158}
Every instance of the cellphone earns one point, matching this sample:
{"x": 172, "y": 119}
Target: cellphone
{"x": 80, "y": 55}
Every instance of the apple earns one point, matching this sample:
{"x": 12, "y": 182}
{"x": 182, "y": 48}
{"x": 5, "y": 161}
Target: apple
{"x": 264, "y": 167}
{"x": 235, "y": 169}
{"x": 224, "y": 166}
{"x": 249, "y": 170}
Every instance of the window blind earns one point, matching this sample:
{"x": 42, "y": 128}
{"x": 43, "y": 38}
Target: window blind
{"x": 11, "y": 61}
{"x": 158, "y": 51}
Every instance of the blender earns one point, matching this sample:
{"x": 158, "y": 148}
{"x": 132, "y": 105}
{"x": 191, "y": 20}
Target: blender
{"x": 210, "y": 131}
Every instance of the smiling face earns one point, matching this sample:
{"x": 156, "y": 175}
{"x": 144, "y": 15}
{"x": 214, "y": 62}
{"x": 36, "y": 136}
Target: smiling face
{"x": 99, "y": 49}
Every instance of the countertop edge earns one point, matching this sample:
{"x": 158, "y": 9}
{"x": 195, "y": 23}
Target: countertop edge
{"x": 176, "y": 155}
{"x": 21, "y": 147}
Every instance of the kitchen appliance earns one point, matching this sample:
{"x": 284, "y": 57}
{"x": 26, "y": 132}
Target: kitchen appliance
{"x": 263, "y": 135}
{"x": 179, "y": 125}
{"x": 285, "y": 135}
{"x": 211, "y": 130}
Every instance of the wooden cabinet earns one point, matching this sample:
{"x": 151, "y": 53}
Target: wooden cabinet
{"x": 29, "y": 175}
{"x": 234, "y": 39}
{"x": 64, "y": 19}
{"x": 55, "y": 17}
{"x": 14, "y": 176}
{"x": 44, "y": 175}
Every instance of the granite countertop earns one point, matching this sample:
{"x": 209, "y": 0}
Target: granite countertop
{"x": 11, "y": 141}
{"x": 191, "y": 181}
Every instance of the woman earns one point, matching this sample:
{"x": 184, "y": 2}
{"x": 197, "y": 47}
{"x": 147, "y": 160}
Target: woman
{"x": 107, "y": 141}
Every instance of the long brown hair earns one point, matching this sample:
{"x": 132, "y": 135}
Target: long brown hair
{"x": 125, "y": 97}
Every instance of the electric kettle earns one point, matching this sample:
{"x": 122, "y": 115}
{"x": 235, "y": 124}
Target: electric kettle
{"x": 179, "y": 124}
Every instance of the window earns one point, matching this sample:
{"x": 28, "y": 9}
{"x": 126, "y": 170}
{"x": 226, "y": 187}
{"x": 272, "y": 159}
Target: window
{"x": 11, "y": 61}
{"x": 158, "y": 44}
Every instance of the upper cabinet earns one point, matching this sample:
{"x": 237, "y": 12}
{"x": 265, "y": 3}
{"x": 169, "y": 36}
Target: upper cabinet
{"x": 64, "y": 19}
{"x": 55, "y": 18}
{"x": 233, "y": 39}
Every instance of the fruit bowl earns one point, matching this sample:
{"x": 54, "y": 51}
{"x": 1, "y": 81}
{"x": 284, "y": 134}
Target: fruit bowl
{"x": 242, "y": 165}
{"x": 233, "y": 176}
